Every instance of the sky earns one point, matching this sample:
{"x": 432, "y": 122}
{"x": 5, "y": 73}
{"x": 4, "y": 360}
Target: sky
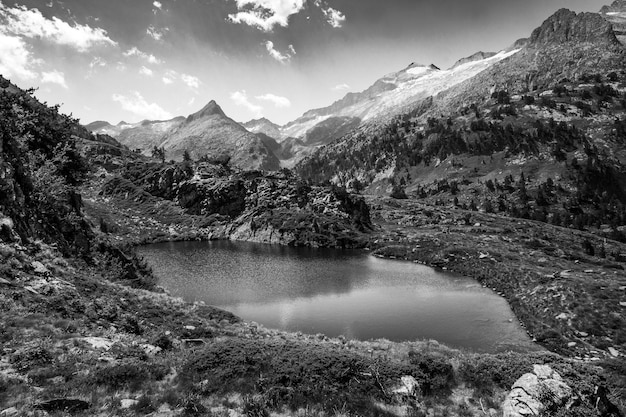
{"x": 133, "y": 60}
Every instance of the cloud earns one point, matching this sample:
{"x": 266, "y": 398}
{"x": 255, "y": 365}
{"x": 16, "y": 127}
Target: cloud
{"x": 240, "y": 98}
{"x": 30, "y": 23}
{"x": 283, "y": 58}
{"x": 137, "y": 105}
{"x": 97, "y": 62}
{"x": 148, "y": 57}
{"x": 54, "y": 77}
{"x": 15, "y": 58}
{"x": 155, "y": 33}
{"x": 146, "y": 71}
{"x": 341, "y": 87}
{"x": 191, "y": 81}
{"x": 334, "y": 17}
{"x": 277, "y": 101}
{"x": 265, "y": 14}
{"x": 157, "y": 5}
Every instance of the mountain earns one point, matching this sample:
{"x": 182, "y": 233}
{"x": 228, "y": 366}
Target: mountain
{"x": 616, "y": 14}
{"x": 208, "y": 132}
{"x": 264, "y": 126}
{"x": 557, "y": 102}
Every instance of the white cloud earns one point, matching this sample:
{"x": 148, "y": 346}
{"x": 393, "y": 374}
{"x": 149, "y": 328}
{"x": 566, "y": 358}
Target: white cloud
{"x": 341, "y": 87}
{"x": 30, "y": 23}
{"x": 277, "y": 101}
{"x": 97, "y": 62}
{"x": 283, "y": 58}
{"x": 265, "y": 14}
{"x": 155, "y": 33}
{"x": 169, "y": 77}
{"x": 15, "y": 59}
{"x": 158, "y": 5}
{"x": 240, "y": 98}
{"x": 54, "y": 77}
{"x": 137, "y": 105}
{"x": 191, "y": 81}
{"x": 146, "y": 71}
{"x": 334, "y": 17}
{"x": 148, "y": 57}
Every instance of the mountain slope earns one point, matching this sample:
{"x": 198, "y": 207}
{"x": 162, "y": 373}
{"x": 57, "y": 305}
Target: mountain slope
{"x": 208, "y": 132}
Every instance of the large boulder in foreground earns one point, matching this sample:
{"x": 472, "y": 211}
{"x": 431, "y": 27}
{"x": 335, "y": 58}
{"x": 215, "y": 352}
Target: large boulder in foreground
{"x": 534, "y": 393}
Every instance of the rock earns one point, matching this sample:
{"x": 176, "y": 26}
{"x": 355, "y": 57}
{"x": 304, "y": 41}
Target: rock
{"x": 9, "y": 412}
{"x": 98, "y": 342}
{"x": 562, "y": 316}
{"x": 408, "y": 386}
{"x": 126, "y": 403}
{"x": 623, "y": 304}
{"x": 583, "y": 334}
{"x": 528, "y": 392}
{"x": 571, "y": 344}
{"x": 39, "y": 268}
{"x": 614, "y": 352}
{"x": 151, "y": 350}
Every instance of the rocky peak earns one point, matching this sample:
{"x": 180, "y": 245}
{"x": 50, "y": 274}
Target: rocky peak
{"x": 211, "y": 109}
{"x": 566, "y": 26}
{"x": 617, "y": 6}
{"x": 478, "y": 56}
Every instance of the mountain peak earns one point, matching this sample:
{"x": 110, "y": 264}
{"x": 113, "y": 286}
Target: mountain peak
{"x": 567, "y": 26}
{"x": 478, "y": 56}
{"x": 211, "y": 109}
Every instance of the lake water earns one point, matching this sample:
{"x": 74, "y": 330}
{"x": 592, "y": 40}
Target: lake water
{"x": 337, "y": 292}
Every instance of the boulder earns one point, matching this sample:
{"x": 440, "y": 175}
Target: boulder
{"x": 535, "y": 392}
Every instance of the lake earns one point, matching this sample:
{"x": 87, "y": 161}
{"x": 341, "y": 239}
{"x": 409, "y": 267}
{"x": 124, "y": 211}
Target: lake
{"x": 338, "y": 292}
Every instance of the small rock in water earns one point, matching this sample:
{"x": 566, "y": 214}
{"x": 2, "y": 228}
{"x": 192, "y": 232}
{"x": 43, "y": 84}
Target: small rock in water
{"x": 614, "y": 352}
{"x": 571, "y": 344}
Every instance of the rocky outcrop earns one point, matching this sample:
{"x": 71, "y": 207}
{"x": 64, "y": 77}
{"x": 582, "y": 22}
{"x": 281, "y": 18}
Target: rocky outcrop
{"x": 567, "y": 26}
{"x": 225, "y": 196}
{"x": 616, "y": 15}
{"x": 537, "y": 392}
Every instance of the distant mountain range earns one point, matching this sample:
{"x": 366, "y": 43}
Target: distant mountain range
{"x": 208, "y": 132}
{"x": 262, "y": 144}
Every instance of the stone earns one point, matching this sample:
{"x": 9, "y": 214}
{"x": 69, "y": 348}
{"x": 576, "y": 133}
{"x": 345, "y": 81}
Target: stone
{"x": 151, "y": 350}
{"x": 562, "y": 316}
{"x": 98, "y": 342}
{"x": 528, "y": 392}
{"x": 39, "y": 268}
{"x": 571, "y": 344}
{"x": 9, "y": 412}
{"x": 126, "y": 403}
{"x": 408, "y": 386}
{"x": 614, "y": 352}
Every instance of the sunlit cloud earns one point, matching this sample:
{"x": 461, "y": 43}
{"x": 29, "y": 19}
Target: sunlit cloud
{"x": 54, "y": 77}
{"x": 15, "y": 58}
{"x": 146, "y": 71}
{"x": 155, "y": 33}
{"x": 134, "y": 51}
{"x": 30, "y": 23}
{"x": 341, "y": 87}
{"x": 277, "y": 101}
{"x": 138, "y": 106}
{"x": 334, "y": 17}
{"x": 240, "y": 98}
{"x": 265, "y": 14}
{"x": 283, "y": 58}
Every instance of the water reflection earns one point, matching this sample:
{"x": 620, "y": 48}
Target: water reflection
{"x": 337, "y": 293}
